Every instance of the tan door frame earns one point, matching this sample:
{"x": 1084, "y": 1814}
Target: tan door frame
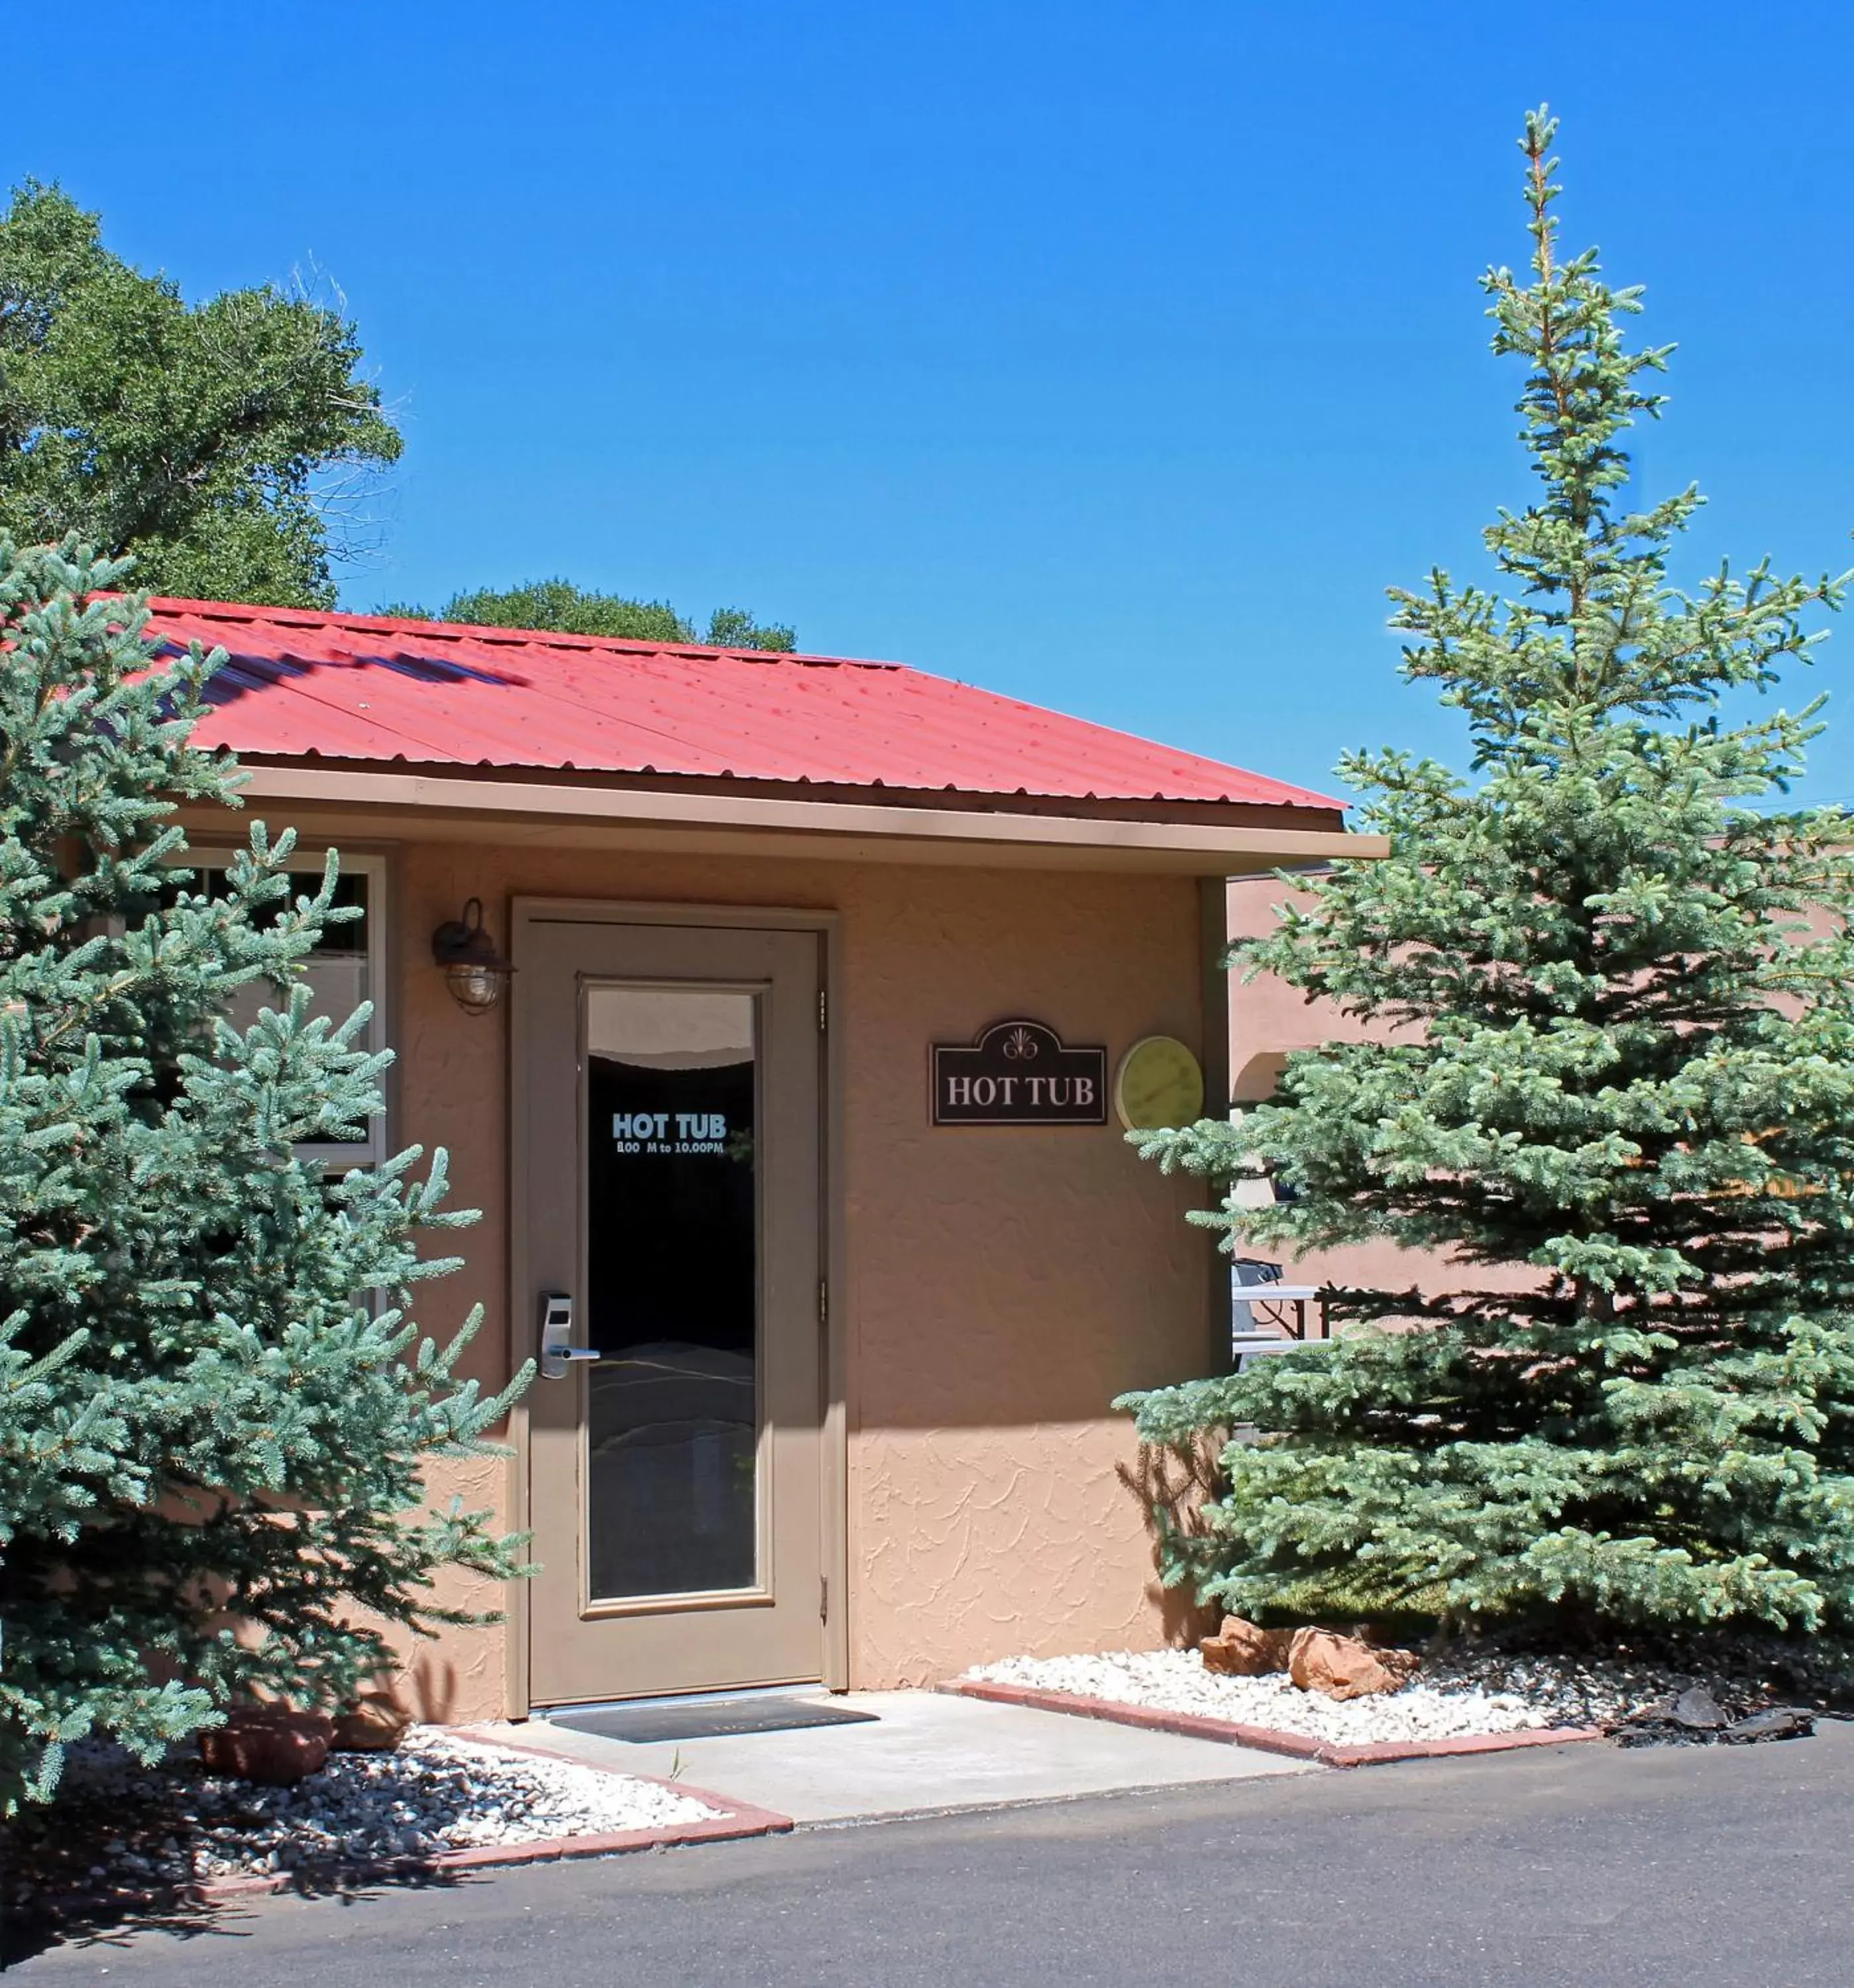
{"x": 523, "y": 913}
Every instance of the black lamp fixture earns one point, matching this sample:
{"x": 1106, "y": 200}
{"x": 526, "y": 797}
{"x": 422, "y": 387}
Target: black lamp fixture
{"x": 474, "y": 970}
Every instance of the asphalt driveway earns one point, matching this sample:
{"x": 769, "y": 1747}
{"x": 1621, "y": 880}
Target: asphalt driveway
{"x": 1582, "y": 1867}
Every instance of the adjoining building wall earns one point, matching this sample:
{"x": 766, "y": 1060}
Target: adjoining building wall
{"x": 1268, "y": 1020}
{"x": 1003, "y": 1285}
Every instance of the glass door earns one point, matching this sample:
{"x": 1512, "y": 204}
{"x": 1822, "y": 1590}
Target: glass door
{"x": 670, "y": 1190}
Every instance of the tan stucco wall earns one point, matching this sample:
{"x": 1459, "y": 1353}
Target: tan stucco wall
{"x": 1002, "y": 1285}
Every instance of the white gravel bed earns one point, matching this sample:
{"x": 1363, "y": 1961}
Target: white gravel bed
{"x": 1452, "y": 1699}
{"x": 436, "y": 1792}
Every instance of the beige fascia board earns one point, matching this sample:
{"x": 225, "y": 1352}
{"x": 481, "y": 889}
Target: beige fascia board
{"x": 440, "y": 807}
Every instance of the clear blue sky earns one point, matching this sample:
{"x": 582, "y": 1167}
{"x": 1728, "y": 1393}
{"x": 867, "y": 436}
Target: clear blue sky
{"x": 1114, "y": 356}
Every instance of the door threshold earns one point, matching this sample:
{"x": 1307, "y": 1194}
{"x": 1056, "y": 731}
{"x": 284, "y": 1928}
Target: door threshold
{"x": 675, "y": 1698}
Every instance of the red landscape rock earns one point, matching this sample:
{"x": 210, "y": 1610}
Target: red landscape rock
{"x": 1241, "y": 1649}
{"x": 269, "y": 1744}
{"x": 1343, "y": 1667}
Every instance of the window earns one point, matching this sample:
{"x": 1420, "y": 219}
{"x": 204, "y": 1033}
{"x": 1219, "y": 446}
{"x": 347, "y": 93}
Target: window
{"x": 348, "y": 968}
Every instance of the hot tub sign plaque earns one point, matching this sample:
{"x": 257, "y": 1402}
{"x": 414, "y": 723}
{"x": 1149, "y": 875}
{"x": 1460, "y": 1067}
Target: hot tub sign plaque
{"x": 1018, "y": 1073}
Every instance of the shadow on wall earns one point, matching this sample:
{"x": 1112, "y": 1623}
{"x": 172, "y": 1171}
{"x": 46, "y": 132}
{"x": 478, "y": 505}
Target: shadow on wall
{"x": 1177, "y": 1482}
{"x": 430, "y": 1688}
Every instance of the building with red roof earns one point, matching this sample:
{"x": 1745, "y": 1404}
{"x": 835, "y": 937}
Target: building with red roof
{"x": 783, "y": 1015}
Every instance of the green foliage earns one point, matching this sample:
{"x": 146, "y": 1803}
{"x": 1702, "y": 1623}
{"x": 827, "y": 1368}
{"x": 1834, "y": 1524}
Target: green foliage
{"x": 735, "y": 628}
{"x": 214, "y": 1406}
{"x": 213, "y": 442}
{"x": 558, "y": 604}
{"x": 1626, "y": 1063}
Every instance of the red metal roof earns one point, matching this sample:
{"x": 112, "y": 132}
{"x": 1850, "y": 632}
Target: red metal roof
{"x": 363, "y": 687}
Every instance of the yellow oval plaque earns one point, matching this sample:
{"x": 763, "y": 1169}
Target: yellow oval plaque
{"x": 1159, "y": 1082}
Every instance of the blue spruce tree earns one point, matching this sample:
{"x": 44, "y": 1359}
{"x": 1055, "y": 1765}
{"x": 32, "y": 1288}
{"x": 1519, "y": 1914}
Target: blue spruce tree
{"x": 1633, "y": 1070}
{"x": 214, "y": 1406}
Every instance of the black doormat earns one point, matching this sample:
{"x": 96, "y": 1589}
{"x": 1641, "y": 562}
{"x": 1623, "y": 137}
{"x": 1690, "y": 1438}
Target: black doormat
{"x": 716, "y": 1719}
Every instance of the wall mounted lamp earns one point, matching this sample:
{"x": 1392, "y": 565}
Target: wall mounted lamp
{"x": 474, "y": 970}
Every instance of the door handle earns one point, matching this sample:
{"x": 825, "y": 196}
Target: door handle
{"x": 558, "y": 1352}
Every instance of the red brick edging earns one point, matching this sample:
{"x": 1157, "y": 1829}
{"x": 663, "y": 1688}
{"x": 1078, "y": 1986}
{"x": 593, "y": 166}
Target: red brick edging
{"x": 1263, "y": 1738}
{"x": 736, "y": 1819}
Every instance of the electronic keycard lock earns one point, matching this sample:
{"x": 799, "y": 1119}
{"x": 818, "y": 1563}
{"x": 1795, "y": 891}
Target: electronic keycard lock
{"x": 558, "y": 1352}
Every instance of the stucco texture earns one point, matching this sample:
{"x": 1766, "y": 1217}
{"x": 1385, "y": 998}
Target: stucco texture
{"x": 1002, "y": 1285}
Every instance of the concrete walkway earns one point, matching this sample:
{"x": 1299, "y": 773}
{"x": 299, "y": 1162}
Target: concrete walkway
{"x": 923, "y": 1754}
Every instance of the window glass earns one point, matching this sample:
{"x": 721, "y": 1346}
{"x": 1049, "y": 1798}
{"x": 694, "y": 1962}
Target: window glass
{"x": 670, "y": 1475}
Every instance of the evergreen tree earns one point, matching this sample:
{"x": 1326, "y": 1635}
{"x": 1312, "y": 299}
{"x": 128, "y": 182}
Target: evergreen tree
{"x": 213, "y": 1410}
{"x": 216, "y": 442}
{"x": 1629, "y": 1065}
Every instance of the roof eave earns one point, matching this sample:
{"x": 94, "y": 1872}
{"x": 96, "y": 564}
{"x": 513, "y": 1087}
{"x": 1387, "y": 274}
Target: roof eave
{"x": 419, "y": 800}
